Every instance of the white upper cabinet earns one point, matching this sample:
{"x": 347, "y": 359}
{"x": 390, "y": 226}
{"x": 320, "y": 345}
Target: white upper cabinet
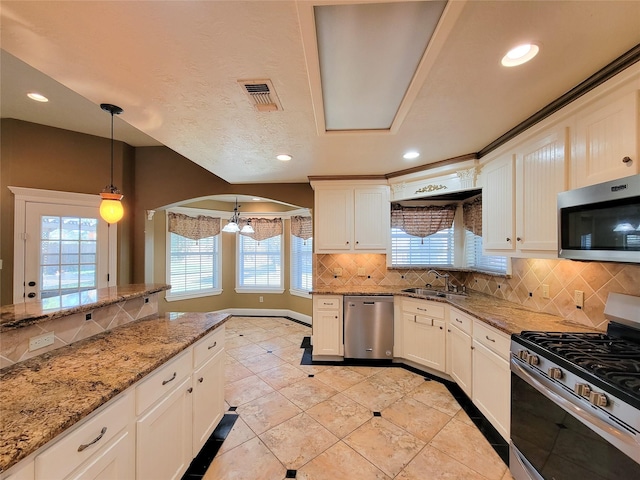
{"x": 519, "y": 196}
{"x": 353, "y": 218}
{"x": 607, "y": 143}
{"x": 498, "y": 204}
{"x": 540, "y": 176}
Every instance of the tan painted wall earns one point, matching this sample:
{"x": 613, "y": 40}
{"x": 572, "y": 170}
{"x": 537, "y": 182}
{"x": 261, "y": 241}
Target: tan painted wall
{"x": 38, "y": 156}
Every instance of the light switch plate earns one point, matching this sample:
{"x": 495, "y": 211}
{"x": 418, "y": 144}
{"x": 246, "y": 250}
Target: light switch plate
{"x": 545, "y": 291}
{"x": 579, "y": 298}
{"x": 41, "y": 341}
{"x": 337, "y": 272}
{"x": 362, "y": 272}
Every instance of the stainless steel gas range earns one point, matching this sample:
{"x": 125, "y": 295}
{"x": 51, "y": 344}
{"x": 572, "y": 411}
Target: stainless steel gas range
{"x": 575, "y": 400}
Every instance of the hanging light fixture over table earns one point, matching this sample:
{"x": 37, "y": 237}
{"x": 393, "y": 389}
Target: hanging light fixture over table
{"x": 111, "y": 206}
{"x": 233, "y": 225}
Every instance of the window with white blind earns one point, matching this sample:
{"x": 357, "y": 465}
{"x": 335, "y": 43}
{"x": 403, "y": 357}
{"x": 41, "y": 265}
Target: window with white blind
{"x": 259, "y": 265}
{"x": 301, "y": 266}
{"x": 193, "y": 267}
{"x": 476, "y": 260}
{"x": 434, "y": 250}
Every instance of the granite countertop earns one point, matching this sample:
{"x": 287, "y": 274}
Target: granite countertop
{"x": 23, "y": 314}
{"x": 42, "y": 397}
{"x": 505, "y": 316}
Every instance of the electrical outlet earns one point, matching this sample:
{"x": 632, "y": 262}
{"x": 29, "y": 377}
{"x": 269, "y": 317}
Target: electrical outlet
{"x": 579, "y": 298}
{"x": 41, "y": 341}
{"x": 362, "y": 272}
{"x": 261, "y": 299}
{"x": 545, "y": 291}
{"x": 337, "y": 272}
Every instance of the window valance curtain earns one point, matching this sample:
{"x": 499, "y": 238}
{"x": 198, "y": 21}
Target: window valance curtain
{"x": 472, "y": 216}
{"x": 263, "y": 228}
{"x": 422, "y": 221}
{"x": 301, "y": 227}
{"x": 195, "y": 228}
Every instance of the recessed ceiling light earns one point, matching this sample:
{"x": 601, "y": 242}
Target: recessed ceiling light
{"x": 37, "y": 97}
{"x": 284, "y": 157}
{"x": 520, "y": 54}
{"x": 411, "y": 155}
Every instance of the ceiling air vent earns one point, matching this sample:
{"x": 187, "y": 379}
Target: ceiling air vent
{"x": 261, "y": 95}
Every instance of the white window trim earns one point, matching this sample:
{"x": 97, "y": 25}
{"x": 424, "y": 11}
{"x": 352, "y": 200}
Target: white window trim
{"x": 169, "y": 297}
{"x": 22, "y": 196}
{"x": 240, "y": 289}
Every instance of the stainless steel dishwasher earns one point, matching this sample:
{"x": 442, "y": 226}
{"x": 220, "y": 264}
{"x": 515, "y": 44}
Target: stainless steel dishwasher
{"x": 368, "y": 327}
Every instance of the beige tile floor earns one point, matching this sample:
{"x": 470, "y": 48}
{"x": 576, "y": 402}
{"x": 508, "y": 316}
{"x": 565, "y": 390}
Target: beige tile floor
{"x": 323, "y": 426}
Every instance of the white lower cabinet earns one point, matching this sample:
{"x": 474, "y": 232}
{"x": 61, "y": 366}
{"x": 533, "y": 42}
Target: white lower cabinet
{"x": 150, "y": 431}
{"x": 327, "y": 326}
{"x": 163, "y": 442}
{"x": 423, "y": 325}
{"x": 491, "y": 386}
{"x": 208, "y": 388}
{"x": 95, "y": 447}
{"x": 459, "y": 351}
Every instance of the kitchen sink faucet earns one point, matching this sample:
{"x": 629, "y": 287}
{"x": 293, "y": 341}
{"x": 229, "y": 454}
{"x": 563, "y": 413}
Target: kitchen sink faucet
{"x": 441, "y": 275}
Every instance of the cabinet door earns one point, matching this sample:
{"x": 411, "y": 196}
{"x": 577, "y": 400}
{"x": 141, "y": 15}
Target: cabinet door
{"x": 116, "y": 460}
{"x": 606, "y": 134}
{"x": 333, "y": 214}
{"x": 327, "y": 332}
{"x": 372, "y": 218}
{"x": 491, "y": 387}
{"x": 460, "y": 358}
{"x": 163, "y": 436}
{"x": 424, "y": 341}
{"x": 540, "y": 175}
{"x": 208, "y": 400}
{"x": 498, "y": 202}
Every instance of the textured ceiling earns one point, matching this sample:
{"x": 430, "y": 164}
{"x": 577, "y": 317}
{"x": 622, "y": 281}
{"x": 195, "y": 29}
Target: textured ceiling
{"x": 173, "y": 67}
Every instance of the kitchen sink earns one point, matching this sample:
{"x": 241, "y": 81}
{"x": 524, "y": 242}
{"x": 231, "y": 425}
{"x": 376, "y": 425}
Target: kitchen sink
{"x": 430, "y": 292}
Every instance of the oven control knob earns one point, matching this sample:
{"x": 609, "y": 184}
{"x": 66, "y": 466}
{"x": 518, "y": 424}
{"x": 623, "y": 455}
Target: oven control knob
{"x": 582, "y": 389}
{"x": 533, "y": 360}
{"x": 598, "y": 399}
{"x": 523, "y": 355}
{"x": 555, "y": 372}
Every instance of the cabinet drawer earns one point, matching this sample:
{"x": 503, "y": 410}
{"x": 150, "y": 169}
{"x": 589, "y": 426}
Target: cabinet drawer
{"x": 327, "y": 303}
{"x": 163, "y": 381}
{"x": 425, "y": 308}
{"x": 208, "y": 347}
{"x": 460, "y": 320}
{"x": 69, "y": 453}
{"x": 491, "y": 338}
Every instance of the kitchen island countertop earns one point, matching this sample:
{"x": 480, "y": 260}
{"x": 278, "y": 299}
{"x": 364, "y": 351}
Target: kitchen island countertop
{"x": 505, "y": 316}
{"x": 28, "y": 313}
{"x": 42, "y": 397}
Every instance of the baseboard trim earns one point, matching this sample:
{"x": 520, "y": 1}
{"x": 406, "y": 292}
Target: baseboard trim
{"x": 268, "y": 312}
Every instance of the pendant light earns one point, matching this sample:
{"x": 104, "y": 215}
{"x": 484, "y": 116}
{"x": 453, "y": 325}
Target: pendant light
{"x": 233, "y": 227}
{"x": 111, "y": 206}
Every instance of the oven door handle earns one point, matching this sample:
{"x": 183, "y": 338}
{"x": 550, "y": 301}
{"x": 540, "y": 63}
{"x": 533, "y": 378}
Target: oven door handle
{"x": 625, "y": 440}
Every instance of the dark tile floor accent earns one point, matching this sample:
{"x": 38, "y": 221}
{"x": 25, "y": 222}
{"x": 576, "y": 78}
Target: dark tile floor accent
{"x": 200, "y": 464}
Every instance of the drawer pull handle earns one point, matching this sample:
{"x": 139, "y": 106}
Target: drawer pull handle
{"x": 97, "y": 439}
{"x": 458, "y": 320}
{"x": 164, "y": 382}
{"x": 201, "y": 379}
{"x": 489, "y": 338}
{"x": 421, "y": 309}
{"x": 190, "y": 389}
{"x": 212, "y": 346}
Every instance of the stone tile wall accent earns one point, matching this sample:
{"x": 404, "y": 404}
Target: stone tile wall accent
{"x": 524, "y": 287}
{"x": 14, "y": 344}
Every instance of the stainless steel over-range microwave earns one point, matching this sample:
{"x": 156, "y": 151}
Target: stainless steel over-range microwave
{"x": 601, "y": 222}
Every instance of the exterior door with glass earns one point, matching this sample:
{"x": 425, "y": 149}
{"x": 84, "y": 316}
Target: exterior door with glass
{"x": 65, "y": 251}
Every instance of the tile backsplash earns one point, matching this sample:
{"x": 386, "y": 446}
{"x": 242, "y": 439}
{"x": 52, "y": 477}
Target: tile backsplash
{"x": 14, "y": 344}
{"x": 564, "y": 277}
